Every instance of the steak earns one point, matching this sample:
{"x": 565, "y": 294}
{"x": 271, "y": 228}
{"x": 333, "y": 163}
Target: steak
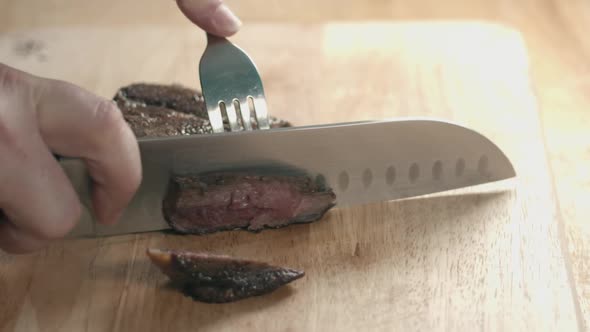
{"x": 218, "y": 278}
{"x": 227, "y": 201}
{"x": 157, "y": 110}
{"x": 207, "y": 203}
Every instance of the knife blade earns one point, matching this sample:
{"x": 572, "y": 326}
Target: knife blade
{"x": 363, "y": 162}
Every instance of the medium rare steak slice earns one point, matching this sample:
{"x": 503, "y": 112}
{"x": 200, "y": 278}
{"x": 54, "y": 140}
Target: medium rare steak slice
{"x": 218, "y": 278}
{"x": 200, "y": 204}
{"x": 227, "y": 201}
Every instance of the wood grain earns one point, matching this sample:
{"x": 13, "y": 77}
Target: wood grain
{"x": 487, "y": 260}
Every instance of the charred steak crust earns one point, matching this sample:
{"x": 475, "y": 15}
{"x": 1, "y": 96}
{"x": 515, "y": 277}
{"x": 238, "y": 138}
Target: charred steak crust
{"x": 174, "y": 97}
{"x": 218, "y": 278}
{"x": 230, "y": 201}
{"x": 158, "y": 110}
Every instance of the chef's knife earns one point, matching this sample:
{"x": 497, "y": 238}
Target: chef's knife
{"x": 363, "y": 162}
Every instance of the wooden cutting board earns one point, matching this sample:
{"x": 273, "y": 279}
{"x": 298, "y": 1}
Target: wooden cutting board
{"x": 484, "y": 259}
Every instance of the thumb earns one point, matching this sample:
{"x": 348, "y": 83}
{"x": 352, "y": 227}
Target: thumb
{"x": 213, "y": 16}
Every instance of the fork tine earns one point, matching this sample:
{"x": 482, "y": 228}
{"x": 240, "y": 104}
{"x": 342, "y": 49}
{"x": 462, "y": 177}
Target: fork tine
{"x": 232, "y": 116}
{"x": 245, "y": 112}
{"x": 216, "y": 119}
{"x": 261, "y": 113}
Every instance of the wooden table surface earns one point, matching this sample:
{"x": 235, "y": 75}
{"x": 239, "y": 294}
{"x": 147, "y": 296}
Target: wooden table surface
{"x": 560, "y": 69}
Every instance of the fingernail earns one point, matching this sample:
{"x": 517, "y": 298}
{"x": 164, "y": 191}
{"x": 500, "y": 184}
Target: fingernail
{"x": 225, "y": 21}
{"x": 106, "y": 210}
{"x": 111, "y": 217}
{"x": 114, "y": 218}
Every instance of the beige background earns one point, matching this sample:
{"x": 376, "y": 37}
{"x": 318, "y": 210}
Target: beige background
{"x": 554, "y": 32}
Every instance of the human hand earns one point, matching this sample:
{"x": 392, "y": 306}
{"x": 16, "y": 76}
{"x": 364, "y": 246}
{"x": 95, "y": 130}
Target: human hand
{"x": 212, "y": 16}
{"x": 39, "y": 117}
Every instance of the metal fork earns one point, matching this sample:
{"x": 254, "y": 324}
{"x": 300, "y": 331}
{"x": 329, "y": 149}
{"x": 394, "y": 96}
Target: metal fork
{"x": 231, "y": 87}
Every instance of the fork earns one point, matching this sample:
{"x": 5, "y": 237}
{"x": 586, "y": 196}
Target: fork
{"x": 231, "y": 87}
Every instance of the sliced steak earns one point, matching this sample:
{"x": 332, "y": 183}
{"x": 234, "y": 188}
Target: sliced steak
{"x": 227, "y": 201}
{"x": 218, "y": 278}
